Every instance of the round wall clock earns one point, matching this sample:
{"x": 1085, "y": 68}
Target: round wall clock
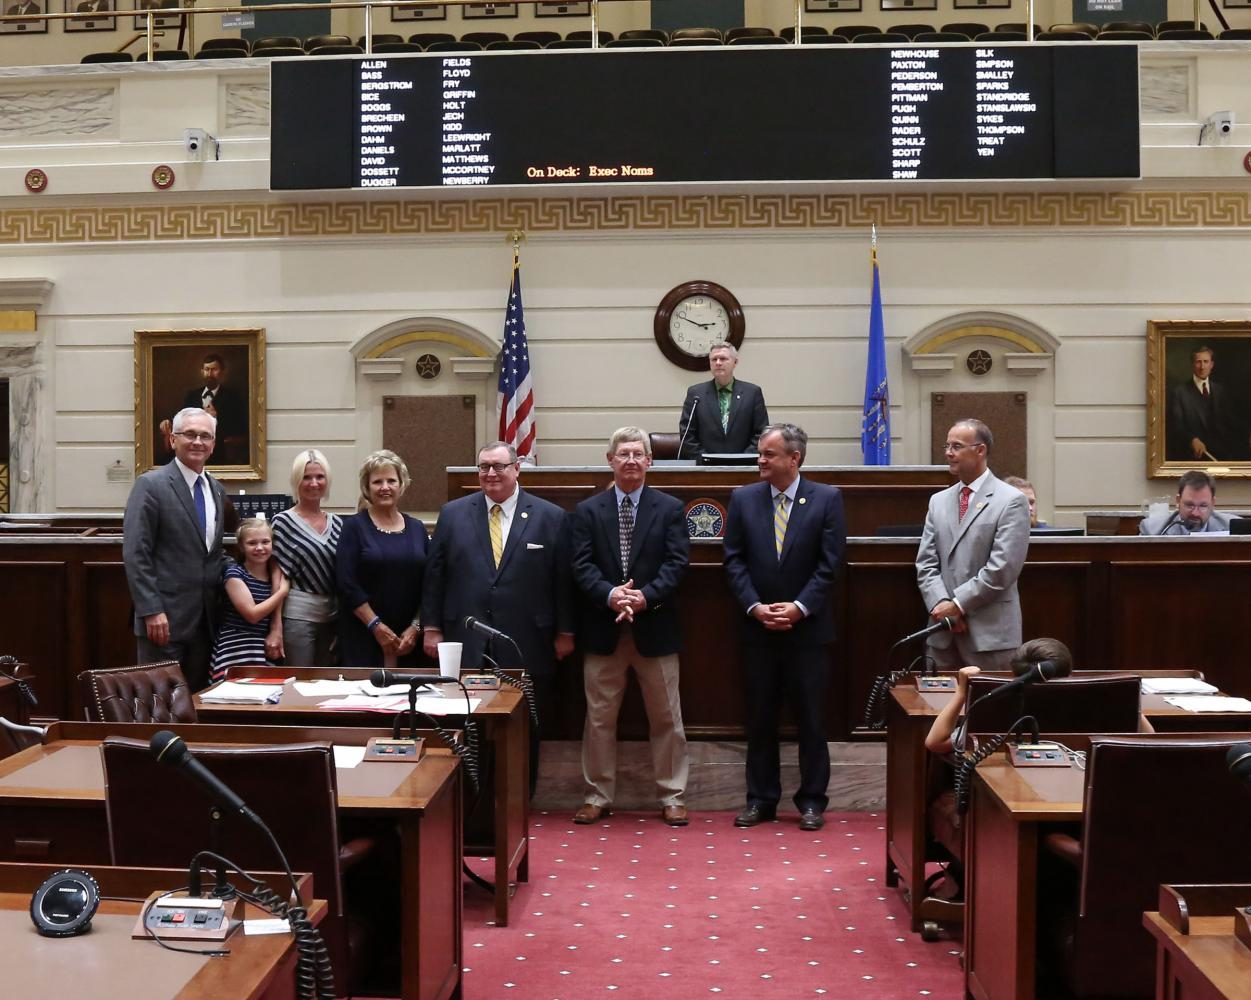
{"x": 694, "y": 316}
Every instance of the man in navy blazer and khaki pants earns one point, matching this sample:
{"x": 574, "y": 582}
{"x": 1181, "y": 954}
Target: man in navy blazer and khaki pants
{"x": 784, "y": 544}
{"x": 972, "y": 549}
{"x": 498, "y": 556}
{"x": 630, "y": 551}
{"x": 172, "y": 550}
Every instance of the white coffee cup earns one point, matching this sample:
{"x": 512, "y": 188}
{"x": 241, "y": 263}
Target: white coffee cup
{"x": 449, "y": 658}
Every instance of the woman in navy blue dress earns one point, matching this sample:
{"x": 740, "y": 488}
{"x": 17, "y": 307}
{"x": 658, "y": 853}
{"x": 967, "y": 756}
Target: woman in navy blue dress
{"x": 379, "y": 567}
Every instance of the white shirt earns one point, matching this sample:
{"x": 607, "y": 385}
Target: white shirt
{"x": 508, "y": 509}
{"x": 1201, "y": 384}
{"x": 210, "y": 506}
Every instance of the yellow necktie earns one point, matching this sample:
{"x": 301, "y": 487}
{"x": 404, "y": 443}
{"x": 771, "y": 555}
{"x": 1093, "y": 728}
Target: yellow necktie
{"x": 779, "y": 523}
{"x": 497, "y": 533}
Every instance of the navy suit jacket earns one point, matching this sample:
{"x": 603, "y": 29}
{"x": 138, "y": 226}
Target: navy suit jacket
{"x": 812, "y": 555}
{"x": 529, "y": 597}
{"x": 748, "y": 417}
{"x": 659, "y": 552}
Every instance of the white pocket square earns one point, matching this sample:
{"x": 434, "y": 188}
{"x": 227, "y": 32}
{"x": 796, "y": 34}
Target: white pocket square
{"x": 533, "y": 545}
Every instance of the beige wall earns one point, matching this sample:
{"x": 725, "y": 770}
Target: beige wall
{"x": 1079, "y": 271}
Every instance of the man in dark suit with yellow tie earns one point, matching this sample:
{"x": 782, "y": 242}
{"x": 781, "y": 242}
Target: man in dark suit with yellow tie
{"x": 784, "y": 543}
{"x": 724, "y": 415}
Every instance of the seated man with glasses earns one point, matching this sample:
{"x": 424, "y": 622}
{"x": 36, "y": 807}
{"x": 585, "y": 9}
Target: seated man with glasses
{"x": 1196, "y": 512}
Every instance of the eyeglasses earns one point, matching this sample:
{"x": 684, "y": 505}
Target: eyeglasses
{"x": 194, "y": 436}
{"x": 1195, "y": 508}
{"x": 957, "y": 446}
{"x": 499, "y": 468}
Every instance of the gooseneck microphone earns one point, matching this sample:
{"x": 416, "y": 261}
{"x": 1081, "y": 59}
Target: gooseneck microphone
{"x": 475, "y": 625}
{"x": 168, "y": 748}
{"x": 1173, "y": 518}
{"x": 385, "y": 678}
{"x": 689, "y": 420}
{"x": 938, "y": 626}
{"x": 1039, "y": 673}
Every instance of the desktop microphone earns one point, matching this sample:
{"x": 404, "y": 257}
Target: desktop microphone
{"x": 385, "y": 678}
{"x": 938, "y": 626}
{"x": 168, "y": 748}
{"x": 1239, "y": 760}
{"x": 689, "y": 419}
{"x": 1039, "y": 673}
{"x": 1170, "y": 522}
{"x": 476, "y": 625}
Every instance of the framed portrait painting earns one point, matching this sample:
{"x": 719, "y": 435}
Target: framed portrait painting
{"x": 221, "y": 371}
{"x": 1199, "y": 397}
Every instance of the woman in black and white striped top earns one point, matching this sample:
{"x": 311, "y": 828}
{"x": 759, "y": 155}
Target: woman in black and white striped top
{"x": 305, "y": 540}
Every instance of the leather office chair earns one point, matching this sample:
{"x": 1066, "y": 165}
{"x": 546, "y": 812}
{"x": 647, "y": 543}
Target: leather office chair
{"x": 291, "y": 787}
{"x": 1073, "y": 704}
{"x": 1157, "y": 810}
{"x": 664, "y": 446}
{"x": 150, "y": 692}
{"x": 15, "y": 737}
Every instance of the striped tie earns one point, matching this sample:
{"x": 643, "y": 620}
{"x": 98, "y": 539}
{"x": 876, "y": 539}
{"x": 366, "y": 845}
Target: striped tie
{"x": 780, "y": 518}
{"x": 497, "y": 533}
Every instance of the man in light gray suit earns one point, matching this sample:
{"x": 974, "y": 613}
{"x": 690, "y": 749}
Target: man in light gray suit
{"x": 972, "y": 550}
{"x": 1196, "y": 512}
{"x": 172, "y": 548}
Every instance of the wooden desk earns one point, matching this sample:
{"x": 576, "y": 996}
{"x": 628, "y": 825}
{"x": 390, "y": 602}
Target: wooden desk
{"x": 909, "y": 715}
{"x": 505, "y": 723}
{"x": 1198, "y": 954}
{"x": 52, "y": 810}
{"x": 258, "y": 967}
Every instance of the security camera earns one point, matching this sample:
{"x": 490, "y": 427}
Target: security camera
{"x": 1217, "y": 126}
{"x": 197, "y": 143}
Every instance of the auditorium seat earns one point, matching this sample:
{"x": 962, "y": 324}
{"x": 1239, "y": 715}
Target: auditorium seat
{"x": 698, "y": 36}
{"x": 484, "y": 38}
{"x": 149, "y": 692}
{"x": 881, "y": 38}
{"x": 337, "y": 49}
{"x": 164, "y": 55}
{"x": 758, "y": 40}
{"x": 1064, "y": 36}
{"x": 633, "y": 43}
{"x": 1073, "y": 704}
{"x": 911, "y": 30}
{"x": 746, "y": 32}
{"x": 570, "y": 43}
{"x": 225, "y": 43}
{"x": 1128, "y": 26}
{"x": 1124, "y": 36}
{"x": 513, "y": 45}
{"x": 293, "y": 789}
{"x": 427, "y": 38}
{"x": 277, "y": 41}
{"x": 1158, "y": 810}
{"x": 808, "y": 31}
{"x": 1236, "y": 34}
{"x": 220, "y": 54}
{"x": 376, "y": 40}
{"x": 382, "y": 48}
{"x": 940, "y": 37}
{"x": 317, "y": 41}
{"x": 107, "y": 57}
{"x": 278, "y": 51}
{"x": 1178, "y": 25}
{"x": 850, "y": 31}
{"x": 969, "y": 28}
{"x": 1020, "y": 26}
{"x": 453, "y": 47}
{"x": 677, "y": 43}
{"x": 604, "y": 36}
{"x": 1085, "y": 27}
{"x": 544, "y": 38}
{"x": 826, "y": 40}
{"x": 1001, "y": 36}
{"x": 1184, "y": 35}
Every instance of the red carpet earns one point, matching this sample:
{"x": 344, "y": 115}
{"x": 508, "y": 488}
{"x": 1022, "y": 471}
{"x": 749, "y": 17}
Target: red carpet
{"x": 630, "y": 908}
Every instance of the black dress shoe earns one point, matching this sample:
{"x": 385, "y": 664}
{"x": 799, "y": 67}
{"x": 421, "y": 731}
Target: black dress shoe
{"x": 751, "y": 815}
{"x": 811, "y": 819}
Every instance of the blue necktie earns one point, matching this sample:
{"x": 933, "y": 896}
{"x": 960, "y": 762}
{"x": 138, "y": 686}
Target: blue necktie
{"x": 200, "y": 510}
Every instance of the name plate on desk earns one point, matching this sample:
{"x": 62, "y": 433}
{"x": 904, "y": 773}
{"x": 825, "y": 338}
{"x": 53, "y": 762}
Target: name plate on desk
{"x": 385, "y": 748}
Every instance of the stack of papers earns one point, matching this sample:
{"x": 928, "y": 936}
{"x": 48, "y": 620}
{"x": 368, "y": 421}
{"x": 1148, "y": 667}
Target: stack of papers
{"x": 1209, "y": 703}
{"x": 431, "y": 704}
{"x": 234, "y": 693}
{"x": 327, "y": 688}
{"x": 1177, "y": 685}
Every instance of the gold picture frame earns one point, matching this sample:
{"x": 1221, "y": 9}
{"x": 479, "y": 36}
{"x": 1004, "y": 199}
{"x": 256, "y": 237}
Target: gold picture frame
{"x": 172, "y": 370}
{"x": 1185, "y": 429}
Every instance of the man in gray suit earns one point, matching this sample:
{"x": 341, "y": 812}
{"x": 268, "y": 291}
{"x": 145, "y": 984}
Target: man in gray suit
{"x": 972, "y": 549}
{"x": 172, "y": 548}
{"x": 1196, "y": 512}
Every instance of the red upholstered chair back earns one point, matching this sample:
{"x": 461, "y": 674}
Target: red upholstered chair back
{"x": 291, "y": 787}
{"x": 152, "y": 692}
{"x": 1158, "y": 810}
{"x": 1071, "y": 704}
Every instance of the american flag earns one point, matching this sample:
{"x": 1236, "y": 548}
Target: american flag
{"x": 516, "y": 393}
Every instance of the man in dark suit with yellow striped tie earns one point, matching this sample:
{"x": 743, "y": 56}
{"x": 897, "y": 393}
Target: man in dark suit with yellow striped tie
{"x": 784, "y": 543}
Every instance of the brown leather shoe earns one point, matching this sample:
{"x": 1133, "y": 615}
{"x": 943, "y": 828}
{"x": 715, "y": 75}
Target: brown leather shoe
{"x": 589, "y": 813}
{"x": 674, "y": 815}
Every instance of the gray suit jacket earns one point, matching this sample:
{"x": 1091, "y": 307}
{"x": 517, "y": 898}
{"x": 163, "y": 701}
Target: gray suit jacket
{"x": 1170, "y": 524}
{"x": 168, "y": 567}
{"x": 976, "y": 561}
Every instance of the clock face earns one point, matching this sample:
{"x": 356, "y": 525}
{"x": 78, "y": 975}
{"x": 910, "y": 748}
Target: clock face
{"x": 698, "y": 322}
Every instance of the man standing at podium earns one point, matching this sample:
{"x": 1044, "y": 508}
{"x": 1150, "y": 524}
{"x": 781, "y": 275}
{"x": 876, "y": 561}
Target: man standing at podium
{"x": 972, "y": 549}
{"x": 723, "y": 415}
{"x": 172, "y": 550}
